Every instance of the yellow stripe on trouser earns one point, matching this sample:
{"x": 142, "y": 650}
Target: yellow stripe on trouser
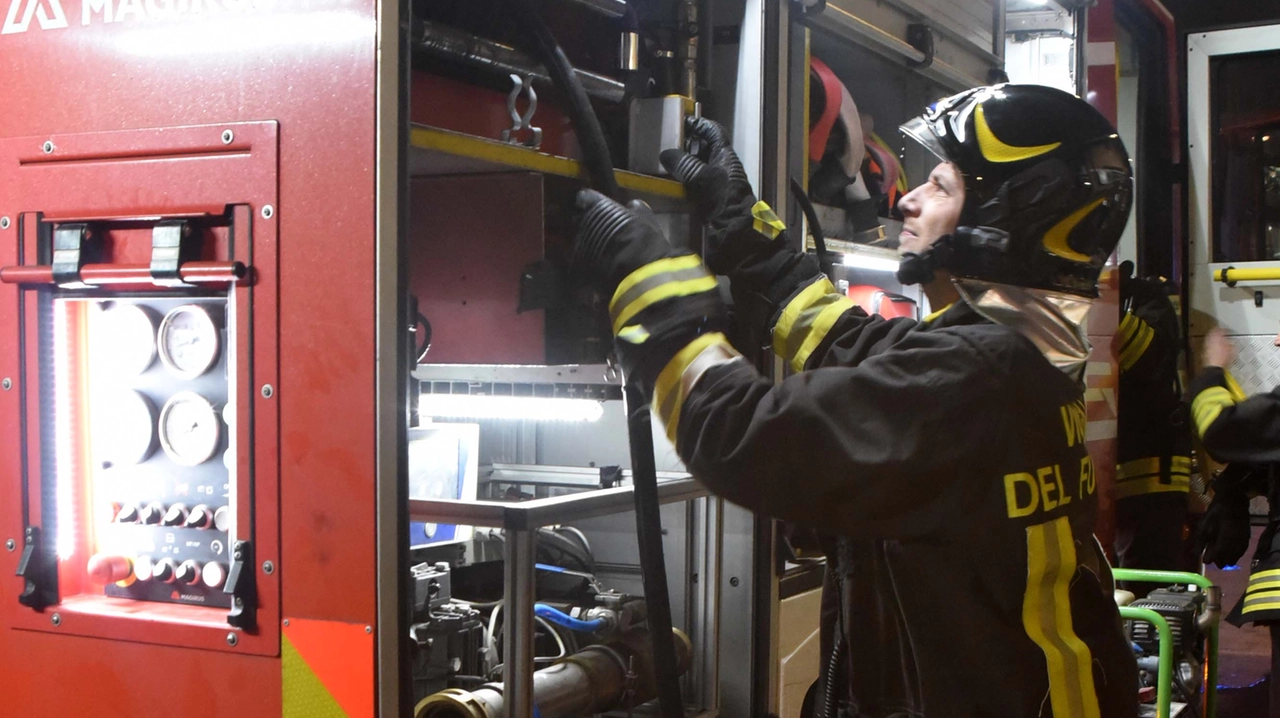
{"x": 1152, "y": 485}
{"x": 1263, "y": 592}
{"x": 1151, "y": 465}
{"x": 679, "y": 375}
{"x": 806, "y": 320}
{"x": 656, "y": 281}
{"x": 1208, "y": 404}
{"x": 1046, "y": 615}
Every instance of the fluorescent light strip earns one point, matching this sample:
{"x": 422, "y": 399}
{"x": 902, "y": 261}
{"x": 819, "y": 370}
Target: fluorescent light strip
{"x": 64, "y": 442}
{"x": 875, "y": 264}
{"x": 475, "y": 406}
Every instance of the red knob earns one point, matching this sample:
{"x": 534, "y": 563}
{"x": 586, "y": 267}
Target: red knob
{"x": 105, "y": 569}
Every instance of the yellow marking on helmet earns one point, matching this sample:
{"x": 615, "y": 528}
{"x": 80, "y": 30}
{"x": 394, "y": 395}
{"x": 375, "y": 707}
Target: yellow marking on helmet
{"x": 996, "y": 151}
{"x": 1055, "y": 240}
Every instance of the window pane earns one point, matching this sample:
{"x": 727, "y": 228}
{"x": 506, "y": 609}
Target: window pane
{"x": 1246, "y": 157}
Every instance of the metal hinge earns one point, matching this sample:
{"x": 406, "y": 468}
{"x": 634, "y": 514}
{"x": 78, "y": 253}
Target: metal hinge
{"x": 39, "y": 569}
{"x": 243, "y": 587}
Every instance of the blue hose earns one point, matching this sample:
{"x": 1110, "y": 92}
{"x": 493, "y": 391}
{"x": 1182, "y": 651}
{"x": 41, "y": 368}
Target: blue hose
{"x": 564, "y": 620}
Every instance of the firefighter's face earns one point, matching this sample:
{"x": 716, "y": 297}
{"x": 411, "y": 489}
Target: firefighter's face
{"x": 932, "y": 209}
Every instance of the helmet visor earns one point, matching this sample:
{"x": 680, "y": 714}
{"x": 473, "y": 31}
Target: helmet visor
{"x": 918, "y": 129}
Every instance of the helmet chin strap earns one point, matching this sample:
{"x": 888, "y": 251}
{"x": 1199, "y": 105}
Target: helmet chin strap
{"x": 920, "y": 268}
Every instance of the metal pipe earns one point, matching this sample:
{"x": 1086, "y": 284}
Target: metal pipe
{"x": 687, "y": 25}
{"x": 518, "y": 626}
{"x": 447, "y": 43}
{"x": 594, "y": 680}
{"x": 629, "y": 51}
{"x": 101, "y": 275}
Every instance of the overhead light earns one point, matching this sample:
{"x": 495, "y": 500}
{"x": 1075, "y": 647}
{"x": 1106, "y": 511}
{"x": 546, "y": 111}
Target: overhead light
{"x": 479, "y": 406}
{"x": 875, "y": 264}
{"x": 1266, "y": 138}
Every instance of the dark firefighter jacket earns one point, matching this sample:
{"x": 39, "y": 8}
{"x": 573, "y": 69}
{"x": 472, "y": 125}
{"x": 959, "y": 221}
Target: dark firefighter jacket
{"x": 1244, "y": 430}
{"x": 1153, "y": 447}
{"x": 949, "y": 455}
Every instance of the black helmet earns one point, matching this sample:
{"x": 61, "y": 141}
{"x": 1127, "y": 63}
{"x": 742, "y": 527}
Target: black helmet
{"x": 1047, "y": 185}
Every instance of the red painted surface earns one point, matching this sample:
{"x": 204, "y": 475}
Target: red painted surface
{"x": 327, "y": 647}
{"x": 451, "y": 104}
{"x": 310, "y": 67}
{"x": 470, "y": 237}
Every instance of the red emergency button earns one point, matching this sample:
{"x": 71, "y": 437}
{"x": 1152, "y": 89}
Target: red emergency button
{"x": 104, "y": 569}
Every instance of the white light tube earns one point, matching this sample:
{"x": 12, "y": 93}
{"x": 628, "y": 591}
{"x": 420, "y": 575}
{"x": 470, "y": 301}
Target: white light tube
{"x": 64, "y": 442}
{"x": 875, "y": 264}
{"x": 477, "y": 406}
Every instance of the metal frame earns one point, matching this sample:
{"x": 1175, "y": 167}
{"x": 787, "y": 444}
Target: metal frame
{"x": 1232, "y": 309}
{"x": 519, "y": 521}
{"x": 881, "y": 27}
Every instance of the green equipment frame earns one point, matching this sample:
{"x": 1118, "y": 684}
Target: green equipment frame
{"x": 1213, "y": 606}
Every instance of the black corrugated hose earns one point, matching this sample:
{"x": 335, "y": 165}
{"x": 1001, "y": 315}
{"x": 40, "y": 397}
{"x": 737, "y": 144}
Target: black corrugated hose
{"x": 815, "y": 228}
{"x": 599, "y": 164}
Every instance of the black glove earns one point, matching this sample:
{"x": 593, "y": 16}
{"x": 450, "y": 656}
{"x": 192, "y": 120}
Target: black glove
{"x": 745, "y": 240}
{"x": 1224, "y": 531}
{"x": 660, "y": 309}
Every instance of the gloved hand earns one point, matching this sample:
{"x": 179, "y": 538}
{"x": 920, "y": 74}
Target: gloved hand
{"x": 745, "y": 241}
{"x": 661, "y": 298}
{"x": 1224, "y": 531}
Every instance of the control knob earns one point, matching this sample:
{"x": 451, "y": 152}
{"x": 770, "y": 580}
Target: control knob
{"x": 188, "y": 573}
{"x": 201, "y": 517}
{"x": 164, "y": 570}
{"x": 152, "y": 513}
{"x": 175, "y": 516}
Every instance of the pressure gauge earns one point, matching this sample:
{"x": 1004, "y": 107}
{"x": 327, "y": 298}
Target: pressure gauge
{"x": 124, "y": 428}
{"x": 129, "y": 336}
{"x": 189, "y": 341}
{"x": 189, "y": 429}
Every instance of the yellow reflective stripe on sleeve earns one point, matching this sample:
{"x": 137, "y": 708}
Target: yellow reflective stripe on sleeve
{"x": 1046, "y": 616}
{"x": 766, "y": 221}
{"x": 1236, "y": 392}
{"x": 1152, "y": 485}
{"x": 652, "y": 269}
{"x": 656, "y": 281}
{"x": 1263, "y": 575}
{"x": 1127, "y": 327}
{"x": 1137, "y": 345}
{"x": 806, "y": 320}
{"x": 1208, "y": 404}
{"x": 1258, "y": 605}
{"x": 681, "y": 373}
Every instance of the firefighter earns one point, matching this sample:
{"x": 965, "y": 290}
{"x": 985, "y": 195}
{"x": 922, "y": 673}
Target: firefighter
{"x": 1153, "y": 472}
{"x": 1246, "y": 433}
{"x": 946, "y": 457}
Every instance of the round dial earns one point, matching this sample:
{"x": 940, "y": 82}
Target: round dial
{"x": 163, "y": 570}
{"x": 189, "y": 429}
{"x": 130, "y": 338}
{"x": 189, "y": 341}
{"x": 124, "y": 428}
{"x": 175, "y": 516}
{"x": 188, "y": 573}
{"x": 213, "y": 574}
{"x": 201, "y": 517}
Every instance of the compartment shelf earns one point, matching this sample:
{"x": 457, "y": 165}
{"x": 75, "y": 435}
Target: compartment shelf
{"x": 435, "y": 151}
